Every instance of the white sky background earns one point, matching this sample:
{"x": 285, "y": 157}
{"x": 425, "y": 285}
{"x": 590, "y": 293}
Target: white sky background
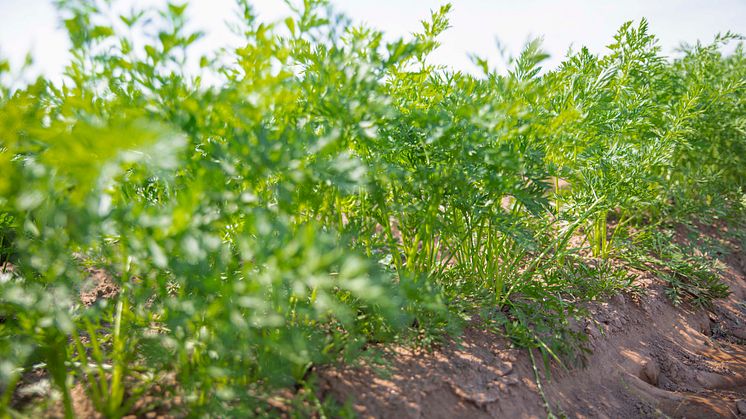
{"x": 32, "y": 25}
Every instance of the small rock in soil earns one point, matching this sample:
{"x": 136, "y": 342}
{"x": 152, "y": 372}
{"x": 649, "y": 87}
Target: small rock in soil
{"x": 739, "y": 332}
{"x": 593, "y": 332}
{"x": 506, "y": 368}
{"x": 650, "y": 373}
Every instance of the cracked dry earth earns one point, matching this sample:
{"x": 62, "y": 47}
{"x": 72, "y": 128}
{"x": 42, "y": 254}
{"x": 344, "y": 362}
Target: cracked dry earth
{"x": 648, "y": 359}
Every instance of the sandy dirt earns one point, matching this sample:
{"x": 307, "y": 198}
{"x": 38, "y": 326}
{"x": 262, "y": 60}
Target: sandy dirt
{"x": 648, "y": 359}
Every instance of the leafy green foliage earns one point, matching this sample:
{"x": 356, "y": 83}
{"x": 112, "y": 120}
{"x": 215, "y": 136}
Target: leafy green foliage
{"x": 327, "y": 190}
{"x": 691, "y": 275}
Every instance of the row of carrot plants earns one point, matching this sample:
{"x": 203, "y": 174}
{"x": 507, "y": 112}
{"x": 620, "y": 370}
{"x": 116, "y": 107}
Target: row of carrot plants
{"x": 320, "y": 189}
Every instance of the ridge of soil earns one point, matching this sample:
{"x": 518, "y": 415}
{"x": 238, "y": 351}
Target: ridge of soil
{"x": 649, "y": 359}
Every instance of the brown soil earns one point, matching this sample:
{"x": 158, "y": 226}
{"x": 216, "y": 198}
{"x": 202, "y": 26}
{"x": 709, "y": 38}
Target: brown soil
{"x": 99, "y": 285}
{"x": 648, "y": 359}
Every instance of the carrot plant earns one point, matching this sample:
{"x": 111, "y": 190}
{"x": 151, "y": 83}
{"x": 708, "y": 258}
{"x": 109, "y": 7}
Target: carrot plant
{"x": 318, "y": 189}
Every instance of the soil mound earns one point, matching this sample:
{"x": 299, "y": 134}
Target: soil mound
{"x": 649, "y": 359}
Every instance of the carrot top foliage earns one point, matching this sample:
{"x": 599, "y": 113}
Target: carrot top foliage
{"x": 319, "y": 189}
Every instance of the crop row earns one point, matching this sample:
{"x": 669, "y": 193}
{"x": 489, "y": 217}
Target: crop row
{"x": 329, "y": 190}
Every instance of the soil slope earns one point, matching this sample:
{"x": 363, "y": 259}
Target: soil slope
{"x": 648, "y": 359}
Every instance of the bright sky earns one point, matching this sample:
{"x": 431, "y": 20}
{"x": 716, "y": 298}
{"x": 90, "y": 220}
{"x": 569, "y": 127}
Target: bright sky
{"x": 32, "y": 25}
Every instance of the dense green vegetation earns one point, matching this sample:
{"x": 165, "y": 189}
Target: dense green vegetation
{"x": 328, "y": 190}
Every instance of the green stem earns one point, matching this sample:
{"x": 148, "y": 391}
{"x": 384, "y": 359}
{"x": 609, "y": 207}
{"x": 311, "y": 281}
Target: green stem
{"x": 11, "y": 386}
{"x": 544, "y": 399}
{"x": 118, "y": 367}
{"x": 556, "y": 195}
